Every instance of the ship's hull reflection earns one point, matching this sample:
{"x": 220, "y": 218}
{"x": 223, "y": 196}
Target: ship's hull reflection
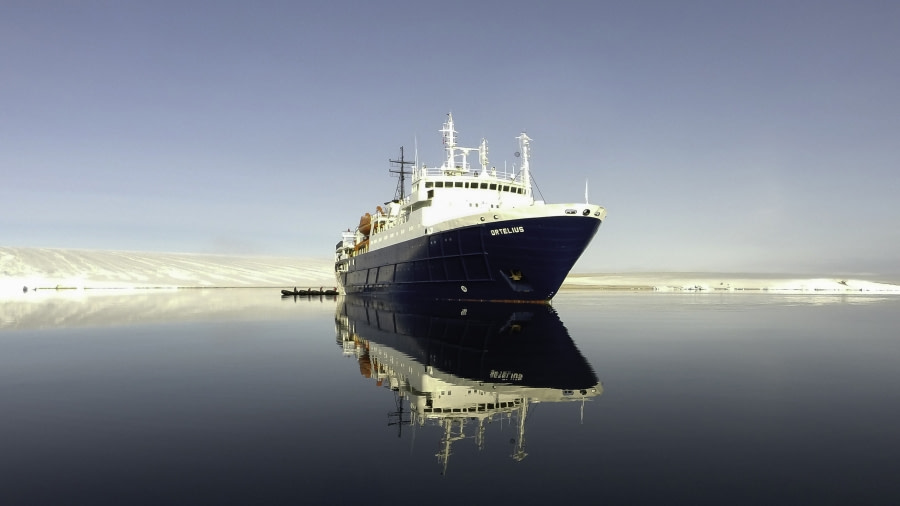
{"x": 465, "y": 363}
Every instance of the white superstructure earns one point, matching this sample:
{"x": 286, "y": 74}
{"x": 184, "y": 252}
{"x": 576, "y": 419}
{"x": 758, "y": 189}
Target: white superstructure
{"x": 455, "y": 194}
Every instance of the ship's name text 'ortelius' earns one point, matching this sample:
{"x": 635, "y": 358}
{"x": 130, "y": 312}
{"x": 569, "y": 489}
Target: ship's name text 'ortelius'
{"x": 510, "y": 230}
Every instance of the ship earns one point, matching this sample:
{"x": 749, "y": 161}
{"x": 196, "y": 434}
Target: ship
{"x": 465, "y": 233}
{"x": 465, "y": 368}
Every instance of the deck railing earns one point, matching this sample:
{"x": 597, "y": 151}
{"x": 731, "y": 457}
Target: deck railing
{"x": 493, "y": 172}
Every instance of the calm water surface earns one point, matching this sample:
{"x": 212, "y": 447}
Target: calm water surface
{"x": 239, "y": 396}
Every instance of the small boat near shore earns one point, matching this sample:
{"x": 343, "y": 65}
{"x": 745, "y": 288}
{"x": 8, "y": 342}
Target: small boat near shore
{"x": 309, "y": 292}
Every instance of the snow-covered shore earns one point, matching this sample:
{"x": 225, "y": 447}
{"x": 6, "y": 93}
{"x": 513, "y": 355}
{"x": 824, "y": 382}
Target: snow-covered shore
{"x": 45, "y": 268}
{"x": 703, "y": 282}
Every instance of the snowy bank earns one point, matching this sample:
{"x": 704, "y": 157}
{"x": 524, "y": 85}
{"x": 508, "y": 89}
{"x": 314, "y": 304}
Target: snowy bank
{"x": 703, "y": 282}
{"x": 44, "y": 268}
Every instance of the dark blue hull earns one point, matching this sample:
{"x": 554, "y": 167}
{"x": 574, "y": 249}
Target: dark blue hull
{"x": 516, "y": 260}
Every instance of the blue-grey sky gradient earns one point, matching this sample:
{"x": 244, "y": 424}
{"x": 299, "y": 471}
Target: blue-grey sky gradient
{"x": 721, "y": 136}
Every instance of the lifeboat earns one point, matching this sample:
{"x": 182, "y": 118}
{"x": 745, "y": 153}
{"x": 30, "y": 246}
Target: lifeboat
{"x": 365, "y": 224}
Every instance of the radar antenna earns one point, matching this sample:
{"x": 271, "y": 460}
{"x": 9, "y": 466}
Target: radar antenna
{"x": 401, "y": 170}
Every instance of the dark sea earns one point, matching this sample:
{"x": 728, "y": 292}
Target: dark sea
{"x": 241, "y": 396}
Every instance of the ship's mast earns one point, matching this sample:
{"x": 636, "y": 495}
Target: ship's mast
{"x": 401, "y": 185}
{"x": 483, "y": 155}
{"x": 449, "y": 141}
{"x": 524, "y": 145}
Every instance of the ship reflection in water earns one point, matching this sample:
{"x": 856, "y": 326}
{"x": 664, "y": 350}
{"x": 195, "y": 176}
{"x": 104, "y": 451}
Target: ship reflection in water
{"x": 463, "y": 366}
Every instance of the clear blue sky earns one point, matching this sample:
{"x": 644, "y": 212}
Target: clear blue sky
{"x": 720, "y": 136}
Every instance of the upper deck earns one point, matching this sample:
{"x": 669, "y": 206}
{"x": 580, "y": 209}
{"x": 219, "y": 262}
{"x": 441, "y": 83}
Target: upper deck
{"x": 442, "y": 188}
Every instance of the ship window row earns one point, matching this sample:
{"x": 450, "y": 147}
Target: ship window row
{"x": 466, "y": 184}
{"x": 471, "y": 409}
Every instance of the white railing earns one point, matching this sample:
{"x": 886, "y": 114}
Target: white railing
{"x": 493, "y": 172}
{"x": 387, "y": 223}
